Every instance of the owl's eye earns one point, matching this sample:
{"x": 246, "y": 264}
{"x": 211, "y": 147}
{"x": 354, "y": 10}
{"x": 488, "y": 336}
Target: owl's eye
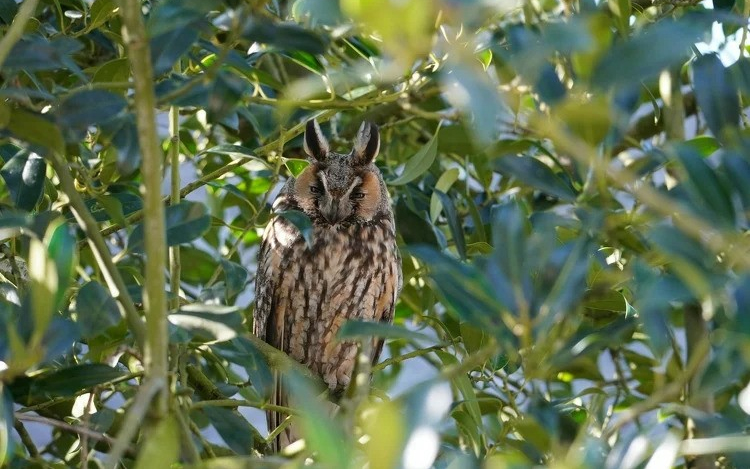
{"x": 358, "y": 195}
{"x": 315, "y": 189}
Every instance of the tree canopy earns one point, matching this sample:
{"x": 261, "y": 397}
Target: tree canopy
{"x": 571, "y": 184}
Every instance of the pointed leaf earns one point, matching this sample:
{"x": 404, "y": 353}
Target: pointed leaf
{"x": 24, "y": 174}
{"x": 236, "y": 432}
{"x": 533, "y": 172}
{"x": 716, "y": 94}
{"x": 185, "y": 222}
{"x": 96, "y": 309}
{"x": 419, "y": 163}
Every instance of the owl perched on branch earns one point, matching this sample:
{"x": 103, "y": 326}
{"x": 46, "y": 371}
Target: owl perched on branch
{"x": 351, "y": 270}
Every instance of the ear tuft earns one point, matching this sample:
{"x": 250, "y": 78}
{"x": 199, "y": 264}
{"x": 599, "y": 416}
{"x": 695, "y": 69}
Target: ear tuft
{"x": 366, "y": 145}
{"x": 316, "y": 144}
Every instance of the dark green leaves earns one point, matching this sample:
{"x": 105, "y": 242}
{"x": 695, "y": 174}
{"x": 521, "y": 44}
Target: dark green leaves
{"x": 96, "y": 309}
{"x": 85, "y": 108}
{"x": 64, "y": 382}
{"x": 166, "y": 48}
{"x": 24, "y": 174}
{"x": 232, "y": 427}
{"x": 185, "y": 222}
{"x": 536, "y": 174}
{"x": 667, "y": 42}
{"x": 705, "y": 189}
{"x": 285, "y": 36}
{"x": 716, "y": 94}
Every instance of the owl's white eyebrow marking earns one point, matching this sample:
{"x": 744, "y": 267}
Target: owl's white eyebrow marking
{"x": 323, "y": 180}
{"x": 357, "y": 181}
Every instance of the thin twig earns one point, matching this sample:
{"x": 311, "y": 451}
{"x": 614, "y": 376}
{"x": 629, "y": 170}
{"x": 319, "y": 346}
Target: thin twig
{"x": 133, "y": 420}
{"x": 401, "y": 358}
{"x": 26, "y": 439}
{"x": 103, "y": 257}
{"x": 94, "y": 435}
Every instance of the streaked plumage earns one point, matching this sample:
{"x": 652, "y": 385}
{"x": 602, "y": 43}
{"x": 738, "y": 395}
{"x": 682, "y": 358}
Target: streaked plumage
{"x": 352, "y": 271}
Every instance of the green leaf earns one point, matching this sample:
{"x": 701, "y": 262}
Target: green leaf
{"x": 357, "y": 329}
{"x": 6, "y": 423}
{"x": 443, "y": 184}
{"x": 162, "y": 447}
{"x": 667, "y": 42}
{"x": 171, "y": 15}
{"x": 101, "y": 11}
{"x": 61, "y": 247}
{"x": 168, "y": 47}
{"x": 235, "y": 277}
{"x": 464, "y": 387}
{"x": 64, "y": 382}
{"x": 209, "y": 322}
{"x": 96, "y": 309}
{"x": 476, "y": 96}
{"x": 716, "y": 94}
{"x": 243, "y": 353}
{"x": 36, "y": 129}
{"x": 286, "y": 36}
{"x": 533, "y": 172}
{"x": 296, "y": 166}
{"x": 457, "y": 230}
{"x": 226, "y": 92}
{"x": 236, "y": 432}
{"x": 102, "y": 211}
{"x": 302, "y": 222}
{"x": 321, "y": 434}
{"x": 35, "y": 53}
{"x": 24, "y": 174}
{"x": 185, "y": 222}
{"x": 43, "y": 286}
{"x": 464, "y": 290}
{"x": 419, "y": 163}
{"x": 414, "y": 229}
{"x": 706, "y": 189}
{"x": 705, "y": 145}
{"x": 89, "y": 107}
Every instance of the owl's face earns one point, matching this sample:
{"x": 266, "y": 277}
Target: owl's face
{"x": 341, "y": 188}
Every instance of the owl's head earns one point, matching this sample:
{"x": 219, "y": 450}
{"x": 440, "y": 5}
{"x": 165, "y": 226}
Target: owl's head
{"x": 341, "y": 188}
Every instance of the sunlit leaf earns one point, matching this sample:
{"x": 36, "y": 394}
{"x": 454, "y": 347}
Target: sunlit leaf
{"x": 419, "y": 163}
{"x": 24, "y": 175}
{"x": 162, "y": 447}
{"x": 210, "y": 322}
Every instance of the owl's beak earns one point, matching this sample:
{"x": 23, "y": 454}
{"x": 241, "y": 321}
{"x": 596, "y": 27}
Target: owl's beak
{"x": 332, "y": 213}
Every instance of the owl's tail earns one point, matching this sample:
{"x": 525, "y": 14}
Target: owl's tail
{"x": 289, "y": 434}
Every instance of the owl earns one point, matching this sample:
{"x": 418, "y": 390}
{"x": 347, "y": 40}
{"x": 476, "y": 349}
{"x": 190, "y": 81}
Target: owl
{"x": 304, "y": 291}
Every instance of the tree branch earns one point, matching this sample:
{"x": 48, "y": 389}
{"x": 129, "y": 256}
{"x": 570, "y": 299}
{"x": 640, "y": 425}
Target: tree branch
{"x": 156, "y": 353}
{"x": 103, "y": 257}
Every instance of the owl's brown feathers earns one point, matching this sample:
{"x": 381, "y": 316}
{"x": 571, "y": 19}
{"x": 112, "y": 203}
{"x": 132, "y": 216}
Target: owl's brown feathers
{"x": 352, "y": 270}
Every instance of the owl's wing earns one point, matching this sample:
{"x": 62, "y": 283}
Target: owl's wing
{"x": 276, "y": 247}
{"x": 393, "y": 283}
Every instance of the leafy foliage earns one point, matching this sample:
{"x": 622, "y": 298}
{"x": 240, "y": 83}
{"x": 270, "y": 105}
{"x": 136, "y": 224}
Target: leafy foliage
{"x": 570, "y": 182}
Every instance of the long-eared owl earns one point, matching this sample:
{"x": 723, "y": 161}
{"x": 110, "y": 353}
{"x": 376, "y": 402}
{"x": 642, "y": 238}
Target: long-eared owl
{"x": 351, "y": 270}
